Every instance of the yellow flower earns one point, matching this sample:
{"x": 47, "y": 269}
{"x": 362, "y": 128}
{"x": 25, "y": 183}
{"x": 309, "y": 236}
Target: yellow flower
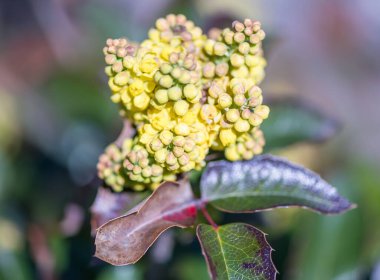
{"x": 149, "y": 64}
{"x": 136, "y": 87}
{"x": 159, "y": 119}
{"x": 185, "y": 94}
{"x": 227, "y": 137}
{"x": 141, "y": 101}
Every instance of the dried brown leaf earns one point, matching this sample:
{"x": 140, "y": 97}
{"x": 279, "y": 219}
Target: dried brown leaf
{"x": 126, "y": 239}
{"x": 109, "y": 205}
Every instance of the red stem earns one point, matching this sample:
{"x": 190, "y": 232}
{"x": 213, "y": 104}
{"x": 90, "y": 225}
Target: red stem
{"x": 208, "y": 217}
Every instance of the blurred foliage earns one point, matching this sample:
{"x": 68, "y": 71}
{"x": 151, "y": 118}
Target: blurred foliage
{"x": 55, "y": 119}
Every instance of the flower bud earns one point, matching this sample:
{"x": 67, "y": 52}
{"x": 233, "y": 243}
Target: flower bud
{"x": 209, "y": 70}
{"x": 189, "y": 166}
{"x": 179, "y": 141}
{"x": 255, "y": 119}
{"x": 161, "y": 96}
{"x": 166, "y": 81}
{"x": 162, "y": 24}
{"x": 166, "y": 68}
{"x": 208, "y": 112}
{"x": 209, "y": 47}
{"x": 224, "y": 100}
{"x": 227, "y": 137}
{"x": 141, "y": 101}
{"x": 225, "y": 124}
{"x": 221, "y": 69}
{"x": 232, "y": 115}
{"x": 188, "y": 145}
{"x": 238, "y": 88}
{"x": 117, "y": 67}
{"x": 185, "y": 77}
{"x": 178, "y": 151}
{"x": 184, "y": 159}
{"x": 157, "y": 76}
{"x": 261, "y": 34}
{"x": 147, "y": 172}
{"x": 262, "y": 111}
{"x": 116, "y": 98}
{"x": 239, "y": 37}
{"x": 156, "y": 145}
{"x": 190, "y": 91}
{"x": 171, "y": 159}
{"x": 228, "y": 37}
{"x": 181, "y": 107}
{"x": 110, "y": 59}
{"x": 122, "y": 78}
{"x": 239, "y": 100}
{"x": 245, "y": 114}
{"x": 231, "y": 153}
{"x": 175, "y": 93}
{"x": 144, "y": 162}
{"x": 237, "y": 60}
{"x": 244, "y": 48}
{"x": 160, "y": 155}
{"x": 248, "y": 31}
{"x": 176, "y": 73}
{"x": 136, "y": 87}
{"x": 220, "y": 49}
{"x": 166, "y": 137}
{"x": 215, "y": 90}
{"x": 238, "y": 26}
{"x": 254, "y": 39}
{"x": 242, "y": 125}
{"x": 156, "y": 170}
{"x": 136, "y": 169}
{"x": 182, "y": 129}
{"x": 248, "y": 22}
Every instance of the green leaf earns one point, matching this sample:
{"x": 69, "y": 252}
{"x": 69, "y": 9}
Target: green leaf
{"x": 292, "y": 122}
{"x": 236, "y": 251}
{"x": 268, "y": 182}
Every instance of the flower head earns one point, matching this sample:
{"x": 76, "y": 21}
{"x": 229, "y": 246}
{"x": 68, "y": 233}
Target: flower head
{"x": 186, "y": 94}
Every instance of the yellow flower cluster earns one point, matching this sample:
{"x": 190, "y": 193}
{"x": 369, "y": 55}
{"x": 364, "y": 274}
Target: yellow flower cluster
{"x": 186, "y": 93}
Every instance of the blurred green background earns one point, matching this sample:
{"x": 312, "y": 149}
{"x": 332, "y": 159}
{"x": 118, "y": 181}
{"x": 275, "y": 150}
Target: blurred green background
{"x": 56, "y": 118}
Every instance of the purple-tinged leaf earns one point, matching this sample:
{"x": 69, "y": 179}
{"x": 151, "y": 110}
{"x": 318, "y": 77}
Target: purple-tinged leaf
{"x": 109, "y": 205}
{"x": 125, "y": 240}
{"x": 236, "y": 251}
{"x": 268, "y": 182}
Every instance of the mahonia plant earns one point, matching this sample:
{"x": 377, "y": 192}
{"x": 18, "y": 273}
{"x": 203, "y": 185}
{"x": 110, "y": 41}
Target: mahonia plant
{"x": 191, "y": 99}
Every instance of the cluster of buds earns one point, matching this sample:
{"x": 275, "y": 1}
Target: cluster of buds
{"x": 186, "y": 94}
{"x": 246, "y": 146}
{"x": 110, "y": 165}
{"x": 239, "y": 105}
{"x": 141, "y": 170}
{"x": 236, "y": 52}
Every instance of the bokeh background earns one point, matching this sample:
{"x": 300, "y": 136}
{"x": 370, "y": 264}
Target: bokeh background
{"x": 56, "y": 118}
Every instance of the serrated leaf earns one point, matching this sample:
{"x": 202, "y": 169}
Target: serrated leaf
{"x": 268, "y": 182}
{"x": 109, "y": 205}
{"x": 125, "y": 240}
{"x": 236, "y": 251}
{"x": 292, "y": 122}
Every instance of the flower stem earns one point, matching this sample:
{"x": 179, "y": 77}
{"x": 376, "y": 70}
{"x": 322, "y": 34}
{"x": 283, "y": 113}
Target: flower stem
{"x": 208, "y": 217}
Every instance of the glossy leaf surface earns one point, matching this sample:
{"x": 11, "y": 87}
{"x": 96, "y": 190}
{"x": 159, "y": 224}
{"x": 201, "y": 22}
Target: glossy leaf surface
{"x": 268, "y": 182}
